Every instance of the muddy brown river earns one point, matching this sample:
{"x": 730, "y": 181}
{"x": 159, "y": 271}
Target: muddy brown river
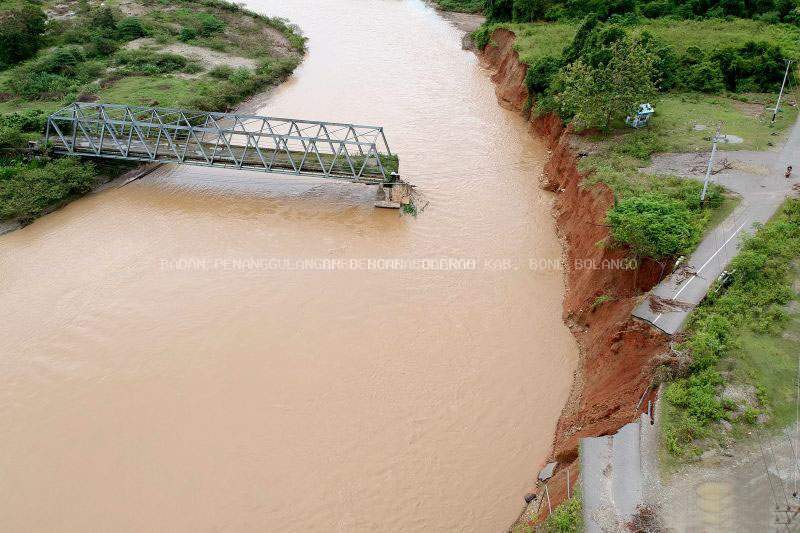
{"x": 229, "y": 351}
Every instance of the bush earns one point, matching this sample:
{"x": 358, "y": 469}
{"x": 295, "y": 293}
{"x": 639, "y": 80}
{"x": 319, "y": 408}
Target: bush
{"x": 198, "y": 25}
{"x": 26, "y": 190}
{"x": 31, "y": 121}
{"x": 540, "y": 74}
{"x": 209, "y": 24}
{"x": 698, "y": 395}
{"x": 704, "y": 77}
{"x": 187, "y": 34}
{"x": 528, "y": 10}
{"x": 639, "y": 144}
{"x": 102, "y": 19}
{"x": 755, "y": 66}
{"x": 481, "y": 36}
{"x": 150, "y": 63}
{"x": 653, "y": 226}
{"x": 11, "y": 137}
{"x": 54, "y": 74}
{"x": 23, "y": 24}
{"x": 130, "y": 28}
{"x": 567, "y": 517}
{"x": 499, "y": 10}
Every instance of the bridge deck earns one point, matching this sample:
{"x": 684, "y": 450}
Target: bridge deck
{"x": 267, "y": 144}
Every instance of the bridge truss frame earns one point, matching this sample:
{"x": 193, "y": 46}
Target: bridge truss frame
{"x": 351, "y": 152}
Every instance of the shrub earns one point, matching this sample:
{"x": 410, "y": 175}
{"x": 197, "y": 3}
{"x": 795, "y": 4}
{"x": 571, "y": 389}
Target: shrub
{"x": 221, "y": 72}
{"x": 102, "y": 19}
{"x": 187, "y": 34}
{"x": 62, "y": 60}
{"x": 528, "y": 10}
{"x": 567, "y": 517}
{"x": 209, "y": 24}
{"x": 23, "y": 24}
{"x": 54, "y": 74}
{"x": 755, "y": 66}
{"x": 11, "y": 137}
{"x": 26, "y": 190}
{"x": 540, "y": 74}
{"x": 130, "y": 28}
{"x": 698, "y": 396}
{"x": 481, "y": 36}
{"x": 499, "y": 10}
{"x": 639, "y": 144}
{"x": 31, "y": 121}
{"x": 653, "y": 226}
{"x": 150, "y": 63}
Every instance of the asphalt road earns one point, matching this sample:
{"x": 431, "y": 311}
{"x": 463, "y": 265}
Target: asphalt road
{"x": 763, "y": 189}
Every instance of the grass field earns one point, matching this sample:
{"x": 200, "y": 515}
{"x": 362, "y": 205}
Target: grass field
{"x": 712, "y": 33}
{"x": 168, "y": 91}
{"x": 540, "y": 39}
{"x": 746, "y": 116}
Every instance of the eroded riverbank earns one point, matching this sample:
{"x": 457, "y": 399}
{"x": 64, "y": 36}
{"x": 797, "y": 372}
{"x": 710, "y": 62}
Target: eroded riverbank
{"x": 618, "y": 352}
{"x": 205, "y": 349}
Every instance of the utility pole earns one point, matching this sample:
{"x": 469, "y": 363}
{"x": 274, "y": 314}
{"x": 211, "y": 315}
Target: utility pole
{"x": 715, "y": 140}
{"x": 780, "y": 94}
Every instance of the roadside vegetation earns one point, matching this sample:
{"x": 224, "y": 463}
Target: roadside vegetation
{"x": 205, "y": 54}
{"x": 740, "y": 352}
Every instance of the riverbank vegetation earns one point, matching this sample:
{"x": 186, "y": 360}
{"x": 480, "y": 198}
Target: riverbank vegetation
{"x": 698, "y": 72}
{"x": 205, "y": 54}
{"x": 739, "y": 367}
{"x": 462, "y": 6}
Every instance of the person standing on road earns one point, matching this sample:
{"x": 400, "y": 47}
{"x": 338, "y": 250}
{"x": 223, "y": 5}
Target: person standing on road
{"x": 788, "y": 171}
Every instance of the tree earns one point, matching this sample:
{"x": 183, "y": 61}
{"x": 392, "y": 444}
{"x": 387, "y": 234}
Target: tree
{"x": 595, "y": 96}
{"x": 23, "y": 24}
{"x": 499, "y": 10}
{"x": 653, "y": 226}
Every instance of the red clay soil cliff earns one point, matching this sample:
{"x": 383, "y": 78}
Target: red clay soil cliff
{"x": 618, "y": 352}
{"x": 509, "y": 72}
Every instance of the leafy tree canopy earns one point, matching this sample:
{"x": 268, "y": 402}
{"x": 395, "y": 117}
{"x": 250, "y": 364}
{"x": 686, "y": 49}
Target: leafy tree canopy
{"x": 22, "y": 25}
{"x": 653, "y": 226}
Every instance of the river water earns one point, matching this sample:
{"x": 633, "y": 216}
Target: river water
{"x": 214, "y": 350}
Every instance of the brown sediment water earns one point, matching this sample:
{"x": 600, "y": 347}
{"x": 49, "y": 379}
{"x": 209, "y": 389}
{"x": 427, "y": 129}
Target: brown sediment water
{"x": 218, "y": 350}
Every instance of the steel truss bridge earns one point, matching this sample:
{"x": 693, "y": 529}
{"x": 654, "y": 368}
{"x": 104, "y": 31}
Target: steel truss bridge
{"x": 268, "y": 144}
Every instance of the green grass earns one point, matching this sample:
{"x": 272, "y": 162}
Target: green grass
{"x": 677, "y": 114}
{"x": 539, "y": 39}
{"x": 167, "y": 91}
{"x": 712, "y": 33}
{"x": 769, "y": 361}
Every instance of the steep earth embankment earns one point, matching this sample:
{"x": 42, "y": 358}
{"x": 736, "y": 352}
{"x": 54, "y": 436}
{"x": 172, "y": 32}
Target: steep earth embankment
{"x": 618, "y": 352}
